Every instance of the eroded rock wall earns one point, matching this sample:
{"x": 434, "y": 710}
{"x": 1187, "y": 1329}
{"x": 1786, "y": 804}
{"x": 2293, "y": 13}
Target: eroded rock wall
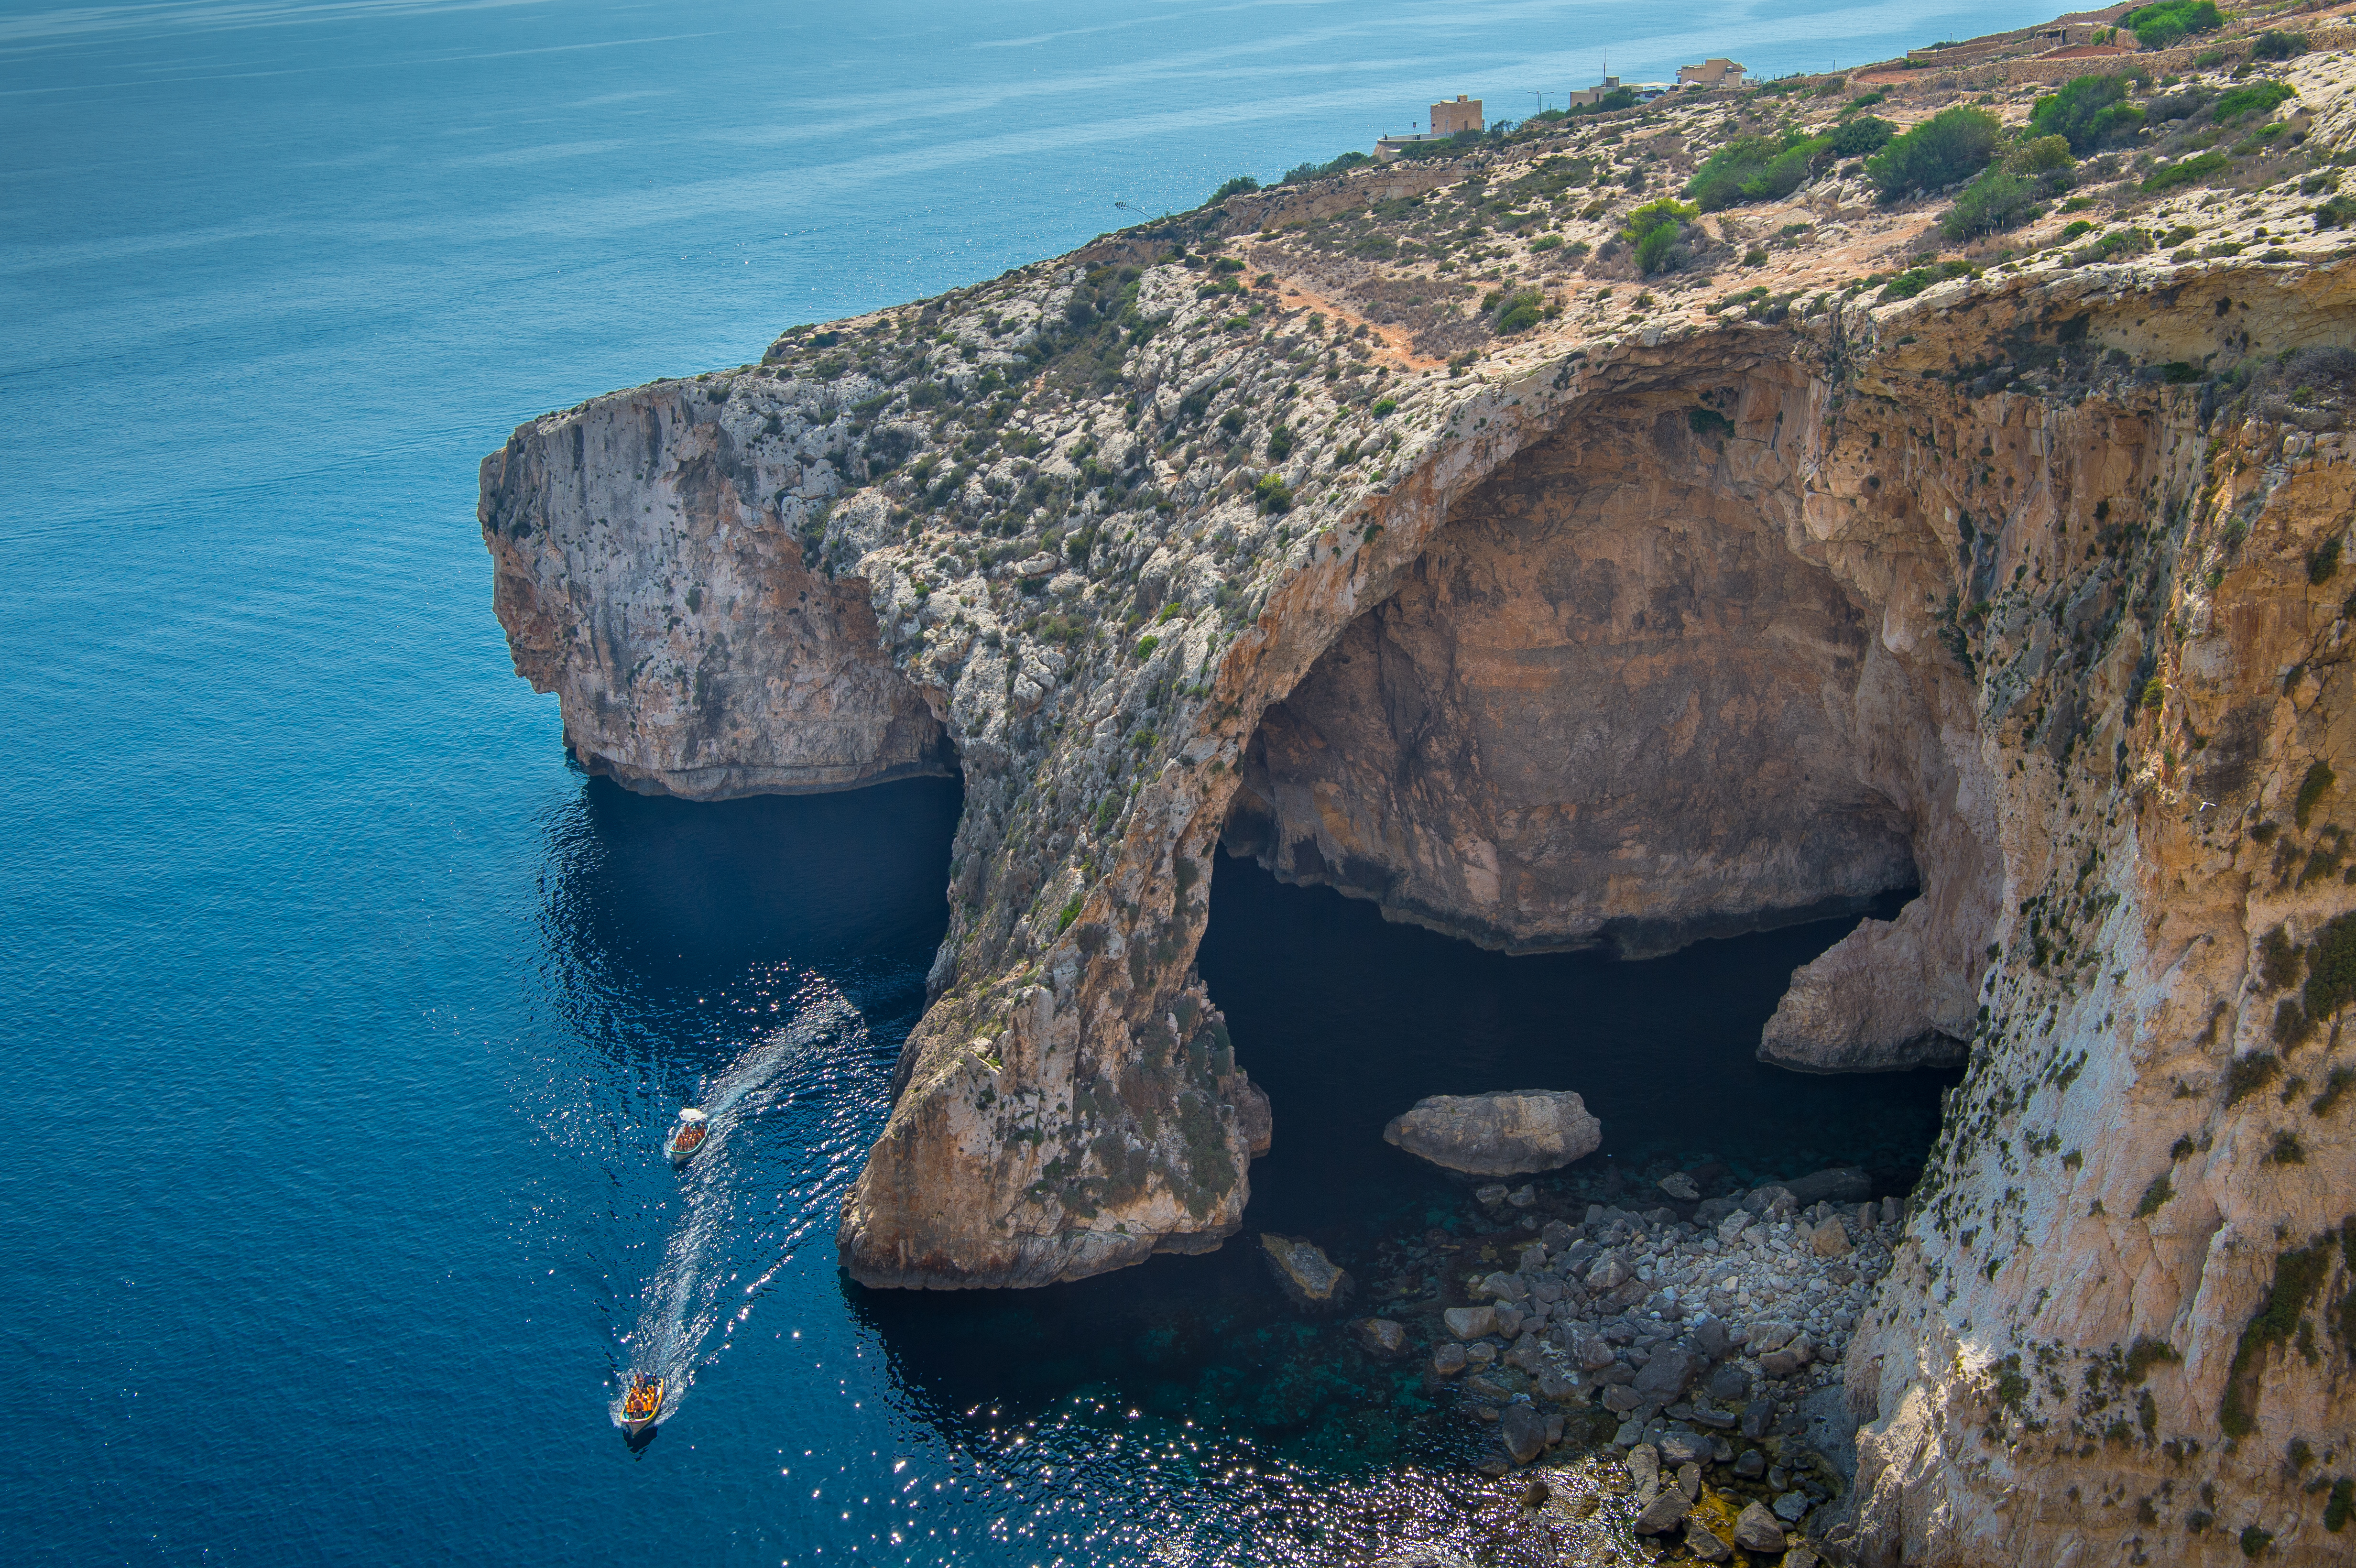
{"x": 650, "y": 573}
{"x": 1609, "y": 703}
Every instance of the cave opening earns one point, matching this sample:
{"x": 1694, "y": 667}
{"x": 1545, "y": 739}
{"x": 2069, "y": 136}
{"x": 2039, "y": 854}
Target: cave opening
{"x": 1638, "y": 758}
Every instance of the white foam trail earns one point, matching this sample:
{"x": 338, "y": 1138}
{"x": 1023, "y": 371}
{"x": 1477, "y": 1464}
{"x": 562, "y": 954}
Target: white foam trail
{"x": 680, "y": 1305}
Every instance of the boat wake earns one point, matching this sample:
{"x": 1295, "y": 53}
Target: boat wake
{"x": 728, "y": 1209}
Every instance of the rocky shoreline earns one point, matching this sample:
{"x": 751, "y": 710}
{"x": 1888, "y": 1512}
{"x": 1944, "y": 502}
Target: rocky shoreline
{"x": 1662, "y": 1367}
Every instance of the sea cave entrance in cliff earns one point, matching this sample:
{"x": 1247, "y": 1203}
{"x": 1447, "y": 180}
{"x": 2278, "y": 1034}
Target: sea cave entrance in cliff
{"x": 1615, "y": 711}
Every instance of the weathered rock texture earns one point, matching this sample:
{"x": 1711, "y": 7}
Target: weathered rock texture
{"x": 1652, "y": 621}
{"x": 1508, "y": 1132}
{"x": 650, "y": 574}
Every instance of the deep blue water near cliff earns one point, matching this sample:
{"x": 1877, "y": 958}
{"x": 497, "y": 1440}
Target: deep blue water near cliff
{"x": 341, "y": 1018}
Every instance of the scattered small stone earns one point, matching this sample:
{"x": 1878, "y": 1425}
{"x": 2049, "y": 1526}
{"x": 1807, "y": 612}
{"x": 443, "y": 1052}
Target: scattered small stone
{"x": 1791, "y": 1506}
{"x": 1481, "y": 1352}
{"x": 1447, "y": 1360}
{"x": 1492, "y": 1195}
{"x": 1382, "y": 1337}
{"x": 1522, "y": 1197}
{"x": 1751, "y": 1464}
{"x": 1536, "y": 1494}
{"x": 1680, "y": 1186}
{"x": 1830, "y": 1239}
{"x": 1689, "y": 1481}
{"x": 1757, "y": 1531}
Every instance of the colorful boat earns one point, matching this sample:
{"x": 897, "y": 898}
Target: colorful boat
{"x": 687, "y": 1135}
{"x": 642, "y": 1406}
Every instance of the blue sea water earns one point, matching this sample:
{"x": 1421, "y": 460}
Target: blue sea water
{"x": 342, "y": 1020}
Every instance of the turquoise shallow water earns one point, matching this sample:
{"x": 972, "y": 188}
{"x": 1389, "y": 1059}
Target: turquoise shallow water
{"x": 342, "y": 1017}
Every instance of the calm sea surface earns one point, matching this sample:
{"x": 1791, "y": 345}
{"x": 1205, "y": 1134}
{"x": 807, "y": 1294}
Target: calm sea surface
{"x": 342, "y": 1020}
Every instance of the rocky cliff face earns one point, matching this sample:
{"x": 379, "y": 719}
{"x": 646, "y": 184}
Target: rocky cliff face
{"x": 2025, "y": 592}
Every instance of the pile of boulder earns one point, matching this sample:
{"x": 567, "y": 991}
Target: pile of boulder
{"x": 1696, "y": 1335}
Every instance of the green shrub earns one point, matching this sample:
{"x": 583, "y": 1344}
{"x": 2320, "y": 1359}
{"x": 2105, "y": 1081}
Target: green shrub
{"x": 2087, "y": 112}
{"x": 1708, "y": 422}
{"x": 1145, "y": 645}
{"x": 1279, "y": 444}
{"x": 2258, "y": 97}
{"x": 2297, "y": 1275}
{"x": 1718, "y": 184}
{"x": 1655, "y": 230}
{"x": 2331, "y": 968}
{"x": 2341, "y": 1506}
{"x": 2040, "y": 154}
{"x": 2187, "y": 171}
{"x": 1997, "y": 200}
{"x": 1521, "y": 311}
{"x": 1862, "y": 136}
{"x": 1915, "y": 280}
{"x": 1342, "y": 164}
{"x": 1545, "y": 243}
{"x": 1242, "y": 185}
{"x": 1273, "y": 493}
{"x": 1950, "y": 147}
{"x": 2160, "y": 26}
{"x": 2275, "y": 45}
{"x": 2311, "y": 790}
{"x": 1069, "y": 913}
{"x": 1384, "y": 408}
{"x": 2250, "y": 1073}
{"x": 2154, "y": 1196}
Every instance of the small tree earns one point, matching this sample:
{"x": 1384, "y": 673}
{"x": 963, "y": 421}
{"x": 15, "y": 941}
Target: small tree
{"x": 1242, "y": 185}
{"x": 2089, "y": 111}
{"x": 1951, "y": 146}
{"x": 1996, "y": 200}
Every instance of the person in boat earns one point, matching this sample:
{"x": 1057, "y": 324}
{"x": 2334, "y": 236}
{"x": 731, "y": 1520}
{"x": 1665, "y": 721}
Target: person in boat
{"x": 640, "y": 1401}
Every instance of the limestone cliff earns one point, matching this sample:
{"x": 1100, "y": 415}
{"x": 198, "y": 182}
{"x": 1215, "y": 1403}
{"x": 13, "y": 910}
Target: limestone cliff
{"x": 1547, "y": 619}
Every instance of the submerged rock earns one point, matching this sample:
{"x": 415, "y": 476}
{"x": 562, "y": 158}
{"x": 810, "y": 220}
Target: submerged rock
{"x": 1471, "y": 1322}
{"x": 1382, "y": 1337}
{"x": 1504, "y": 1133}
{"x": 1310, "y": 1279}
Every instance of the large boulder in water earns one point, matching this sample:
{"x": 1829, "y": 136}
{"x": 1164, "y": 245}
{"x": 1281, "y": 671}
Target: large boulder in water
{"x": 1504, "y": 1133}
{"x": 1309, "y": 1280}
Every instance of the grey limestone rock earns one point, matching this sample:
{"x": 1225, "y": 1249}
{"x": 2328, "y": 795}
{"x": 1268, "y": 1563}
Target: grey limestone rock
{"x": 1498, "y": 1133}
{"x": 1668, "y": 1373}
{"x": 1663, "y": 1513}
{"x": 1757, "y": 1531}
